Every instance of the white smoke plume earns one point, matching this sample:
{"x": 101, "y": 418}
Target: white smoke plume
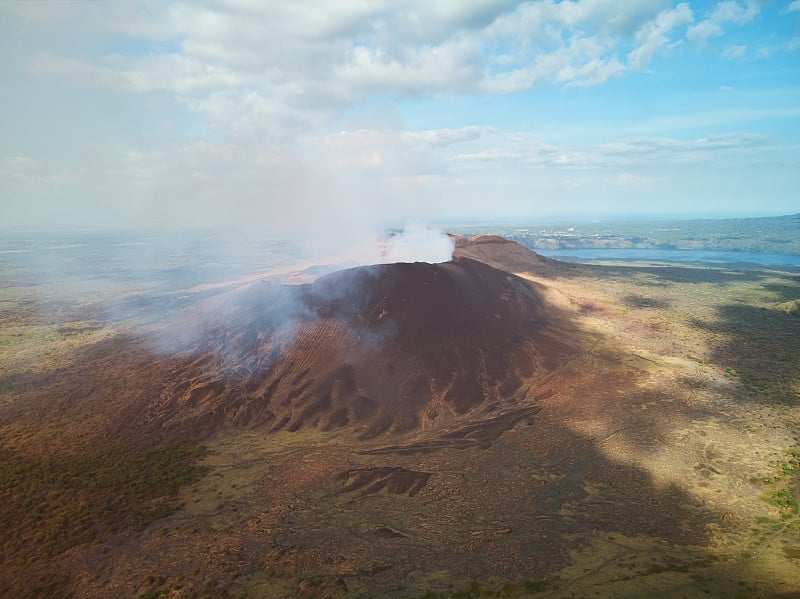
{"x": 418, "y": 243}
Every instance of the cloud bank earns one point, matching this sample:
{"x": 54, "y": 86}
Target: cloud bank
{"x": 353, "y": 116}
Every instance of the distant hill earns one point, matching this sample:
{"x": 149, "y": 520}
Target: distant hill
{"x": 501, "y": 253}
{"x": 778, "y": 234}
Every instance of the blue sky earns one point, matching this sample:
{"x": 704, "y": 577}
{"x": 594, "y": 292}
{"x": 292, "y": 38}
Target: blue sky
{"x": 355, "y": 114}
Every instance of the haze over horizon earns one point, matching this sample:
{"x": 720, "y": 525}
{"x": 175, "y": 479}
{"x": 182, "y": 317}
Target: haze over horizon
{"x": 361, "y": 114}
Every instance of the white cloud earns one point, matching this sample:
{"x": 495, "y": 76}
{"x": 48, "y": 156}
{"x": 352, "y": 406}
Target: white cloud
{"x": 703, "y": 31}
{"x": 18, "y": 168}
{"x": 529, "y": 153}
{"x": 395, "y": 152}
{"x": 734, "y": 52}
{"x": 491, "y": 154}
{"x": 654, "y": 35}
{"x": 452, "y": 65}
{"x": 630, "y": 182}
{"x": 793, "y": 7}
{"x": 735, "y": 12}
{"x": 623, "y": 18}
{"x": 266, "y": 85}
{"x": 21, "y": 163}
{"x": 725, "y": 12}
{"x": 287, "y": 66}
{"x": 765, "y": 52}
{"x": 679, "y": 149}
{"x": 580, "y": 62}
{"x": 447, "y": 137}
{"x": 172, "y": 72}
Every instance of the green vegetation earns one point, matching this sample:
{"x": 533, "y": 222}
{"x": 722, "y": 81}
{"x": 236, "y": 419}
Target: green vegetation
{"x": 782, "y": 498}
{"x": 50, "y": 504}
{"x": 781, "y": 495}
{"x": 701, "y": 361}
{"x": 671, "y": 566}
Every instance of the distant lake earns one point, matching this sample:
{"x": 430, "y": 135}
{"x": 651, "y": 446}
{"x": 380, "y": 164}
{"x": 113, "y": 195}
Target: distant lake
{"x": 660, "y": 255}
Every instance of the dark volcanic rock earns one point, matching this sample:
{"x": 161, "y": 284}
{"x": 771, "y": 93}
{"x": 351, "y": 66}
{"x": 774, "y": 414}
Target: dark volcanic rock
{"x": 380, "y": 349}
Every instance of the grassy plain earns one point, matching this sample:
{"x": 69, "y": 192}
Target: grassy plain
{"x": 720, "y": 344}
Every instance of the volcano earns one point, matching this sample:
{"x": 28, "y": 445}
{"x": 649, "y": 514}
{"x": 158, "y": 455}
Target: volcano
{"x": 374, "y": 350}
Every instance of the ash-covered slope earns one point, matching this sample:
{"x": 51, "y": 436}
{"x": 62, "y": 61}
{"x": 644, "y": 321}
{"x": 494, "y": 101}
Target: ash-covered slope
{"x": 381, "y": 349}
{"x": 502, "y": 253}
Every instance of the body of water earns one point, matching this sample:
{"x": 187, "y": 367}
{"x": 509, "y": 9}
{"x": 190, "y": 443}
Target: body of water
{"x": 670, "y": 255}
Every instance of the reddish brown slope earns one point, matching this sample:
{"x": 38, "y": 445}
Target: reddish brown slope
{"x": 388, "y": 348}
{"x": 502, "y": 253}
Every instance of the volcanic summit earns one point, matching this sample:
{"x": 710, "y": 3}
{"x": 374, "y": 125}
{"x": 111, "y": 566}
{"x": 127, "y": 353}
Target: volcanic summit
{"x": 376, "y": 350}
